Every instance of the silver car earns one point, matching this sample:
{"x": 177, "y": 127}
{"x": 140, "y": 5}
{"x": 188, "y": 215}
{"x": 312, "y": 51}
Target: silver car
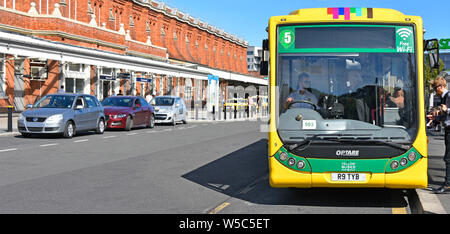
{"x": 170, "y": 109}
{"x": 63, "y": 114}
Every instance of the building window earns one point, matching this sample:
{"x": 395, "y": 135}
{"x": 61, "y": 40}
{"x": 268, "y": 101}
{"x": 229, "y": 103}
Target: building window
{"x": 76, "y": 78}
{"x": 75, "y": 67}
{"x": 74, "y": 85}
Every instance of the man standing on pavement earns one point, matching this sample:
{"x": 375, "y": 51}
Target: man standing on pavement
{"x": 440, "y": 86}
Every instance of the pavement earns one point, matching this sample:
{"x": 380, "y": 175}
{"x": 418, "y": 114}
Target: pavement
{"x": 4, "y": 124}
{"x": 202, "y": 116}
{"x": 435, "y": 203}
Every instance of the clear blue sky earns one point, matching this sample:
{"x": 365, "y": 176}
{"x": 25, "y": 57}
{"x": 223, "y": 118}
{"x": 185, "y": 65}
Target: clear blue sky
{"x": 248, "y": 19}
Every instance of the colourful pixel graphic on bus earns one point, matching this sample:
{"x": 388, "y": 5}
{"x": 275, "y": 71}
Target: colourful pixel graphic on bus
{"x": 348, "y": 11}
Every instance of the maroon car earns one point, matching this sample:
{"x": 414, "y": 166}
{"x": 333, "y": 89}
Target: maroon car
{"x": 126, "y": 112}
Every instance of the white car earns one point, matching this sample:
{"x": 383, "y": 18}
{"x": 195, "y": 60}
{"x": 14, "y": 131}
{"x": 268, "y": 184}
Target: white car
{"x": 170, "y": 109}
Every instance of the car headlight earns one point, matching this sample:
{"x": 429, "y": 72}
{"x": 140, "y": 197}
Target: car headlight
{"x": 55, "y": 118}
{"x": 21, "y": 117}
{"x": 120, "y": 116}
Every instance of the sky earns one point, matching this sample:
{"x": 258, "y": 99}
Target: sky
{"x": 248, "y": 19}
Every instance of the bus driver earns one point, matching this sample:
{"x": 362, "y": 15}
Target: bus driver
{"x": 302, "y": 94}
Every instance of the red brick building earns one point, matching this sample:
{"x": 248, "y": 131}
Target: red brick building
{"x": 102, "y": 46}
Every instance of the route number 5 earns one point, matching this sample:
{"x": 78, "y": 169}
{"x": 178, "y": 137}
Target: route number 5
{"x": 288, "y": 37}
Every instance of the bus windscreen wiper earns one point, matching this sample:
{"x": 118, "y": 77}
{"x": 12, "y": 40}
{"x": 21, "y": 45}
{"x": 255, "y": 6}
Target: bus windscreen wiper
{"x": 295, "y": 145}
{"x": 388, "y": 143}
{"x": 338, "y": 138}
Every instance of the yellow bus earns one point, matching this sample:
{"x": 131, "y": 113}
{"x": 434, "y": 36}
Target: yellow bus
{"x": 347, "y": 98}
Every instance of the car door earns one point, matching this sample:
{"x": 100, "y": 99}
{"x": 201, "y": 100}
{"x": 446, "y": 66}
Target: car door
{"x": 81, "y": 114}
{"x": 93, "y": 112}
{"x": 179, "y": 109}
{"x": 138, "y": 114}
{"x": 145, "y": 110}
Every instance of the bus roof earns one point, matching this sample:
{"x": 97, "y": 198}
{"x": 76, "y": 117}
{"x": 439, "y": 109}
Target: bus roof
{"x": 349, "y": 13}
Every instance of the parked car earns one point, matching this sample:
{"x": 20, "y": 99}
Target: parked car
{"x": 64, "y": 114}
{"x": 126, "y": 112}
{"x": 170, "y": 109}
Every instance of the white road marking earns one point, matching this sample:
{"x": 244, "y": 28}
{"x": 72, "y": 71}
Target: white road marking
{"x": 108, "y": 137}
{"x": 8, "y": 150}
{"x": 131, "y": 134}
{"x": 79, "y": 141}
{"x": 47, "y": 145}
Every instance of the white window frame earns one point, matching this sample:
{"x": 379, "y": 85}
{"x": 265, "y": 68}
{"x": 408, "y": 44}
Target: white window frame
{"x": 80, "y": 74}
{"x": 2, "y": 78}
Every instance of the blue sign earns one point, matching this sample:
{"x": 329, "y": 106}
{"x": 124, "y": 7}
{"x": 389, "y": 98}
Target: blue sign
{"x": 106, "y": 77}
{"x": 125, "y": 76}
{"x": 148, "y": 80}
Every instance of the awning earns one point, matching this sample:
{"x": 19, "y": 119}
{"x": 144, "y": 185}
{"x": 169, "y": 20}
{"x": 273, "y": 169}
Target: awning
{"x": 20, "y": 45}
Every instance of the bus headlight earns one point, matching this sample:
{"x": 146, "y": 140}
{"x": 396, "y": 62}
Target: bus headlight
{"x": 394, "y": 164}
{"x": 412, "y": 156}
{"x": 403, "y": 162}
{"x": 301, "y": 164}
{"x": 283, "y": 156}
{"x": 291, "y": 162}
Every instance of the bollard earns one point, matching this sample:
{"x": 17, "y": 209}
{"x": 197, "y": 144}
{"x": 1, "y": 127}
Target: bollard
{"x": 10, "y": 125}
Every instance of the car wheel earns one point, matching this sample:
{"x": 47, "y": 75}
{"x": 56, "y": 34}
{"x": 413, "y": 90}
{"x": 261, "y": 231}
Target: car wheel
{"x": 151, "y": 122}
{"x": 69, "y": 130}
{"x": 100, "y": 127}
{"x": 129, "y": 125}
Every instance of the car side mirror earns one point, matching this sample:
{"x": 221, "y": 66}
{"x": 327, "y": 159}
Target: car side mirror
{"x": 177, "y": 105}
{"x": 79, "y": 107}
{"x": 29, "y": 106}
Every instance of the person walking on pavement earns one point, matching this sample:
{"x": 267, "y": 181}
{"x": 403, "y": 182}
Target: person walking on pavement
{"x": 440, "y": 86}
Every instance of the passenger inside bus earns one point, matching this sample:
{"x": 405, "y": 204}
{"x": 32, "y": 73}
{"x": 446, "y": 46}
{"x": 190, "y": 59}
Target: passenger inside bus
{"x": 353, "y": 97}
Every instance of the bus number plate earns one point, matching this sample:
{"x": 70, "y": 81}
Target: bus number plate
{"x": 360, "y": 177}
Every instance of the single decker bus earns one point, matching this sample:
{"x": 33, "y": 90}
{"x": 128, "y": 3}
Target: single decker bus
{"x": 347, "y": 98}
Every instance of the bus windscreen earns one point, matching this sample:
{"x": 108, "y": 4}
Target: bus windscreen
{"x": 345, "y": 37}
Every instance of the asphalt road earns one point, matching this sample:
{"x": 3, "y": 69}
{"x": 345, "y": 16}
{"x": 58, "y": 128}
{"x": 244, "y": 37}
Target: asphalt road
{"x": 198, "y": 168}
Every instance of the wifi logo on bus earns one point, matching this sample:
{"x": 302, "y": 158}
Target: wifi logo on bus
{"x": 404, "y": 33}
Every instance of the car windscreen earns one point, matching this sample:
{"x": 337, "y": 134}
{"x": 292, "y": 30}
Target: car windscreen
{"x": 164, "y": 101}
{"x": 118, "y": 101}
{"x": 55, "y": 101}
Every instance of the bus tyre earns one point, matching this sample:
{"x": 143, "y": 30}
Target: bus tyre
{"x": 69, "y": 130}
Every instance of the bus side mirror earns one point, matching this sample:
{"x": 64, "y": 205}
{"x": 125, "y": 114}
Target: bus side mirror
{"x": 264, "y": 68}
{"x": 264, "y": 65}
{"x": 432, "y": 47}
